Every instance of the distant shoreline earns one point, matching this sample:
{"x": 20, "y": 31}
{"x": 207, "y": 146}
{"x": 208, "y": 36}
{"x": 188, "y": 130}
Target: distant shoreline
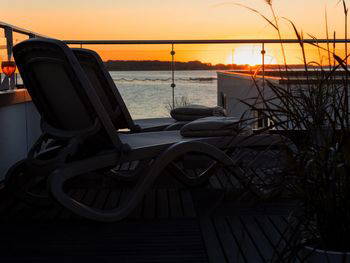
{"x": 156, "y": 65}
{"x": 165, "y": 69}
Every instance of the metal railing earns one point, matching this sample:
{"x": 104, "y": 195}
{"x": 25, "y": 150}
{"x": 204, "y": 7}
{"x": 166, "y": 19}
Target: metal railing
{"x": 9, "y": 29}
{"x": 211, "y": 41}
{"x": 172, "y": 44}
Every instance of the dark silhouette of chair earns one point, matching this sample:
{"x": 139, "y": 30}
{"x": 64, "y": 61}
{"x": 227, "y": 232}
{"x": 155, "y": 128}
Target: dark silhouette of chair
{"x": 80, "y": 136}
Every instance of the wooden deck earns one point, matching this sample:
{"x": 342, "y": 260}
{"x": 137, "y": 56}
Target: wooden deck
{"x": 172, "y": 224}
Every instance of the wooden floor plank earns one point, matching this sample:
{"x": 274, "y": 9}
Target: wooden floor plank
{"x": 263, "y": 248}
{"x": 166, "y": 241}
{"x": 211, "y": 241}
{"x": 243, "y": 241}
{"x": 163, "y": 203}
{"x": 280, "y": 226}
{"x": 270, "y": 234}
{"x": 229, "y": 246}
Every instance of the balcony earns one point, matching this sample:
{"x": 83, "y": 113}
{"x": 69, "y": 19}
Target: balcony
{"x": 171, "y": 223}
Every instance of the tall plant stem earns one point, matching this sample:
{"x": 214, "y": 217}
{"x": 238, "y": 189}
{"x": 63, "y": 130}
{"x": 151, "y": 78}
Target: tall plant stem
{"x": 279, "y": 35}
{"x": 328, "y": 48}
{"x": 346, "y": 91}
{"x": 282, "y": 46}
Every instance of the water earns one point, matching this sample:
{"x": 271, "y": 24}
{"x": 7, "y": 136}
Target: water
{"x": 149, "y": 94}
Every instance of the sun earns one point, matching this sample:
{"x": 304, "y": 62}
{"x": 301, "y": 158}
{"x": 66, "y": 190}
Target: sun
{"x": 249, "y": 55}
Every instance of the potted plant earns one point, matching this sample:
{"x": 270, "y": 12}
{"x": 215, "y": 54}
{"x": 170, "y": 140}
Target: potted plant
{"x": 316, "y": 114}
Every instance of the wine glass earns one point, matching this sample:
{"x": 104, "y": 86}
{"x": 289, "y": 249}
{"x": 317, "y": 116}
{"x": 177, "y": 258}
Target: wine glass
{"x": 8, "y": 67}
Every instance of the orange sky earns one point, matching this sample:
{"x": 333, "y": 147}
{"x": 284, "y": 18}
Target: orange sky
{"x": 168, "y": 19}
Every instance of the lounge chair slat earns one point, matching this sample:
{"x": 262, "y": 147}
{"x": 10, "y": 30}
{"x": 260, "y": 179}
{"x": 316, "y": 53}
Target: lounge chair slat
{"x": 215, "y": 183}
{"x": 133, "y": 165}
{"x": 149, "y": 210}
{"x": 125, "y": 166}
{"x": 137, "y": 212}
{"x": 101, "y": 198}
{"x": 113, "y": 198}
{"x": 187, "y": 203}
{"x": 90, "y": 196}
{"x": 125, "y": 192}
{"x": 222, "y": 178}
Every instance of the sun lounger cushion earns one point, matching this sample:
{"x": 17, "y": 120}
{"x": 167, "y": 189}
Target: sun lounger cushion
{"x": 193, "y": 112}
{"x": 211, "y": 126}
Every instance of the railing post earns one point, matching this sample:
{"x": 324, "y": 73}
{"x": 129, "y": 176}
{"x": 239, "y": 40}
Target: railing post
{"x": 9, "y": 41}
{"x": 262, "y": 121}
{"x": 263, "y": 52}
{"x": 173, "y": 85}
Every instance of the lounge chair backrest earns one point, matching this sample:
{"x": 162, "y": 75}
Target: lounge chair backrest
{"x": 105, "y": 87}
{"x": 60, "y": 89}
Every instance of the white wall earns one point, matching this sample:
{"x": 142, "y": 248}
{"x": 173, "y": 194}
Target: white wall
{"x": 238, "y": 87}
{"x": 19, "y": 128}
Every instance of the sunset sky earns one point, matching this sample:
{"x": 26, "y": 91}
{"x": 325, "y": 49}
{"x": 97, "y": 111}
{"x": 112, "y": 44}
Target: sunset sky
{"x": 169, "y": 19}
